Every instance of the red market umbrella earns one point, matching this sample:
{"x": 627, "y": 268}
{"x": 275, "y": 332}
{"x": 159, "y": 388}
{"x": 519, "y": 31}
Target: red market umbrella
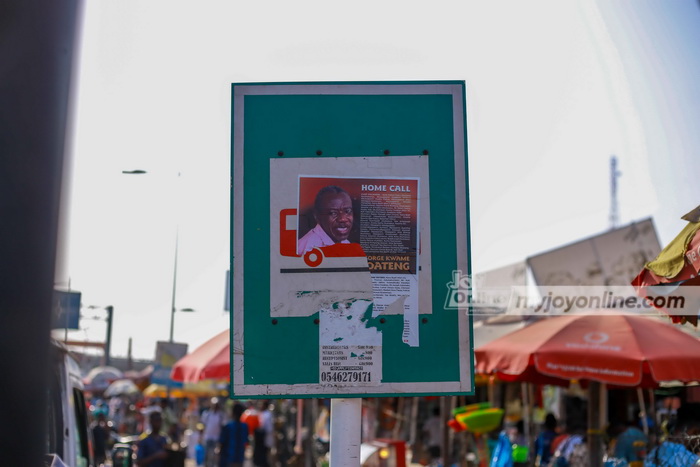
{"x": 616, "y": 349}
{"x": 677, "y": 265}
{"x": 211, "y": 360}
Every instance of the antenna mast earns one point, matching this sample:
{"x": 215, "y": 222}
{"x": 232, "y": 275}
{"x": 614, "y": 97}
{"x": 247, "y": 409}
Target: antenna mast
{"x": 614, "y": 174}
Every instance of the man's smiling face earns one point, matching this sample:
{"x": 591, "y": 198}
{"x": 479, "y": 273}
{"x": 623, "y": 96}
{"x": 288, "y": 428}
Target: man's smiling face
{"x": 335, "y": 215}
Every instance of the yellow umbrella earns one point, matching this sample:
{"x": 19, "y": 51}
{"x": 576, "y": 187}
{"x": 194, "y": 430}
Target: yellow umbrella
{"x": 160, "y": 390}
{"x": 207, "y": 388}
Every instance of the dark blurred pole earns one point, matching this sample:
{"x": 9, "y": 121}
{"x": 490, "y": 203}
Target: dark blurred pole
{"x": 595, "y": 431}
{"x": 445, "y": 443}
{"x": 108, "y": 340}
{"x": 37, "y": 50}
{"x": 129, "y": 359}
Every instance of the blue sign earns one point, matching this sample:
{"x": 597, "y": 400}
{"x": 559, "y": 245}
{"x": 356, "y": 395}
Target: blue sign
{"x": 161, "y": 375}
{"x": 66, "y": 309}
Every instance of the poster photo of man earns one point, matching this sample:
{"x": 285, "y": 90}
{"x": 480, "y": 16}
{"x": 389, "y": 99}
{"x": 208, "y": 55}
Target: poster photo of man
{"x": 381, "y": 214}
{"x": 333, "y": 215}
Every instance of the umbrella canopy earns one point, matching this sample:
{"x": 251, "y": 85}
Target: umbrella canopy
{"x": 100, "y": 377}
{"x": 201, "y": 389}
{"x": 154, "y": 390}
{"x": 211, "y": 360}
{"x": 122, "y": 387}
{"x": 617, "y": 349}
{"x": 678, "y": 264}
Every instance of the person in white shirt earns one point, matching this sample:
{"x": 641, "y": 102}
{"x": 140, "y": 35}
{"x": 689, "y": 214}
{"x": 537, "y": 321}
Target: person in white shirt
{"x": 213, "y": 420}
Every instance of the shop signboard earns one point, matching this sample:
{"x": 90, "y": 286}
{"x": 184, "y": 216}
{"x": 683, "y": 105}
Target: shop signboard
{"x": 167, "y": 354}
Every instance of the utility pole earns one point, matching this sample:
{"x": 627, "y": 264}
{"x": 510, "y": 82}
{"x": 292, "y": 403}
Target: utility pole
{"x": 614, "y": 174}
{"x": 108, "y": 341}
{"x": 129, "y": 359}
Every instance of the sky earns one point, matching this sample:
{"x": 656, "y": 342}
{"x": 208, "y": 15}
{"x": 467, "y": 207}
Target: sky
{"x": 554, "y": 89}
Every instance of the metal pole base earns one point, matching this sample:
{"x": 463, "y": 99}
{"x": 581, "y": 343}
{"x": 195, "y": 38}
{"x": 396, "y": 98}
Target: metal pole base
{"x": 346, "y": 432}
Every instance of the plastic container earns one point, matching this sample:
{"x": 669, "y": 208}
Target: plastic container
{"x": 455, "y": 425}
{"x": 470, "y": 408}
{"x": 482, "y": 421}
{"x": 460, "y": 419}
{"x": 520, "y": 453}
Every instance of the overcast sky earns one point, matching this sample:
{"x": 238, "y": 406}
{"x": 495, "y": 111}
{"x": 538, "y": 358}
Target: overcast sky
{"x": 554, "y": 88}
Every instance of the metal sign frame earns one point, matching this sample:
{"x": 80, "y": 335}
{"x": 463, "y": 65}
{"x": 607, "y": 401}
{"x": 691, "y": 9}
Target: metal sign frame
{"x": 348, "y": 130}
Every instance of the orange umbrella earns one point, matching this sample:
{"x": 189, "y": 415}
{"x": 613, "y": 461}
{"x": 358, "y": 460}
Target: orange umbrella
{"x": 617, "y": 349}
{"x": 211, "y": 360}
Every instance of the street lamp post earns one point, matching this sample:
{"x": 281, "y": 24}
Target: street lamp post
{"x": 172, "y": 303}
{"x": 173, "y": 307}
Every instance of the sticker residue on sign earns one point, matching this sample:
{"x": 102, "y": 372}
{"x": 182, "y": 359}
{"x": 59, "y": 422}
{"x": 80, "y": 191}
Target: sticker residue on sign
{"x": 350, "y": 349}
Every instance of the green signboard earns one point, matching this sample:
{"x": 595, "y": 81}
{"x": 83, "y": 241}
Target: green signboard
{"x": 350, "y": 240}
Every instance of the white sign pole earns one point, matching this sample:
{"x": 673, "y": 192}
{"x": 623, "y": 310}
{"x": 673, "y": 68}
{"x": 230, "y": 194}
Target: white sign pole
{"x": 346, "y": 432}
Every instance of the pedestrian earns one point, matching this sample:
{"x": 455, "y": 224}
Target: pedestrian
{"x": 117, "y": 409}
{"x": 100, "y": 438}
{"x": 680, "y": 448}
{"x": 146, "y": 414}
{"x": 264, "y": 437}
{"x": 433, "y": 434}
{"x": 213, "y": 420}
{"x": 569, "y": 449}
{"x": 171, "y": 428}
{"x": 520, "y": 445}
{"x": 234, "y": 439}
{"x": 151, "y": 450}
{"x": 194, "y": 439}
{"x": 630, "y": 443}
{"x": 543, "y": 442}
{"x": 200, "y": 451}
{"x": 502, "y": 451}
{"x": 387, "y": 418}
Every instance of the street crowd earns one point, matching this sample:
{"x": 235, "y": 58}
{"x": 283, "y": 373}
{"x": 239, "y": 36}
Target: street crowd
{"x": 157, "y": 433}
{"x": 218, "y": 432}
